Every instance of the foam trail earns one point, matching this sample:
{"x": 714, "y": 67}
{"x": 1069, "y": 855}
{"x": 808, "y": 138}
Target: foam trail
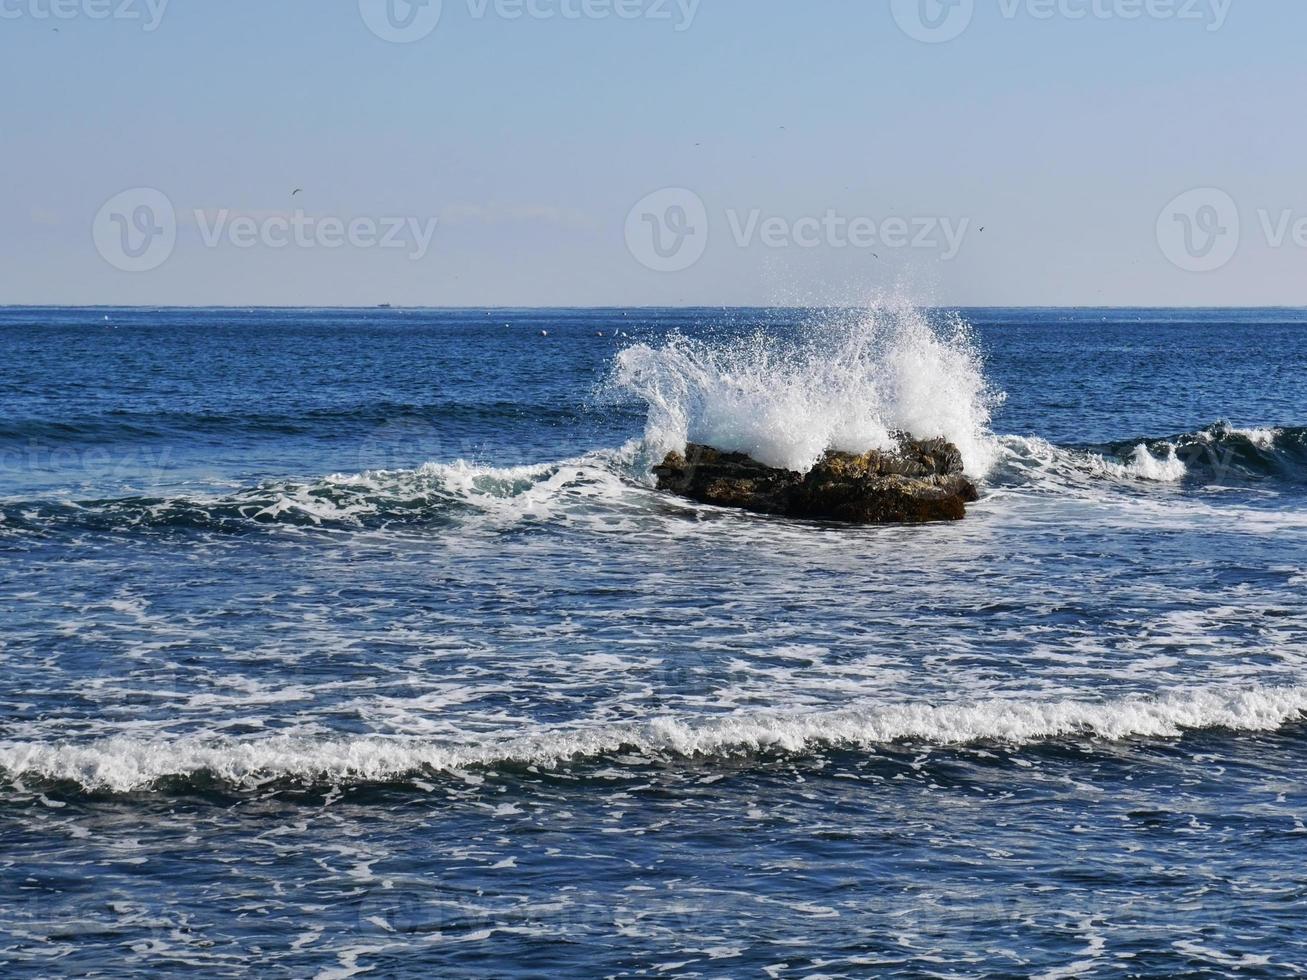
{"x": 130, "y": 765}
{"x": 848, "y": 382}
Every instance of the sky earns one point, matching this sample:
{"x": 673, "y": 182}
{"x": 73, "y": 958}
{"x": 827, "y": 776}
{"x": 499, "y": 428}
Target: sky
{"x": 653, "y": 152}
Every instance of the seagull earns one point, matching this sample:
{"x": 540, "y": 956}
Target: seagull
{"x": 297, "y": 190}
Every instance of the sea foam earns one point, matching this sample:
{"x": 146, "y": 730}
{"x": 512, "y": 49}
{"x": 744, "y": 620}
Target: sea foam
{"x": 847, "y": 380}
{"x": 134, "y": 764}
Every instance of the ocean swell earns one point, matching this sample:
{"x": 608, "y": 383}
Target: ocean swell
{"x": 431, "y": 494}
{"x": 124, "y": 765}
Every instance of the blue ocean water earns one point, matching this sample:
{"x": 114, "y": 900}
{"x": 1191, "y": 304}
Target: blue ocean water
{"x": 346, "y": 642}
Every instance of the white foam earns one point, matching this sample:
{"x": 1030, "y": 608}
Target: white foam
{"x": 1262, "y": 438}
{"x": 126, "y": 764}
{"x": 507, "y": 493}
{"x": 1144, "y": 465}
{"x": 1041, "y": 464}
{"x": 847, "y": 383}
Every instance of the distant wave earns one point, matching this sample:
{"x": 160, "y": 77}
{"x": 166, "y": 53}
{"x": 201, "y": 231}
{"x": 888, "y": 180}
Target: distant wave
{"x": 1218, "y": 455}
{"x": 430, "y": 494}
{"x": 124, "y": 765}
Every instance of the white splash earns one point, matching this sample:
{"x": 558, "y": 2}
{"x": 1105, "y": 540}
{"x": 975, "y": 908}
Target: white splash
{"x": 1144, "y": 465}
{"x": 848, "y": 382}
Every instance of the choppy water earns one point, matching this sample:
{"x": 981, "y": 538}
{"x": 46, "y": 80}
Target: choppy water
{"x": 347, "y": 642}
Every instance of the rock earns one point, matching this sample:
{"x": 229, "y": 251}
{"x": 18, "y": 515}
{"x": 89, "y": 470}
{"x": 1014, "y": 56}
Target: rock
{"x": 920, "y": 482}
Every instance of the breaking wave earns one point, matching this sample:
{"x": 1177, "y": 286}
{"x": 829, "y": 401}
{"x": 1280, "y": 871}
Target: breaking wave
{"x": 124, "y": 765}
{"x": 431, "y": 494}
{"x": 849, "y": 381}
{"x": 1223, "y": 453}
{"x": 1220, "y": 455}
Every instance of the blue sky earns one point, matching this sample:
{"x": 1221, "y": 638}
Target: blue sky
{"x": 502, "y": 155}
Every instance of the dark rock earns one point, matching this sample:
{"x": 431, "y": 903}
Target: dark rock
{"x": 920, "y": 482}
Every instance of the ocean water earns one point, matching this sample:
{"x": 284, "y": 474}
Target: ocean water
{"x": 358, "y": 643}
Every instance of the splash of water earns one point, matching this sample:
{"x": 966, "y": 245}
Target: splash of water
{"x": 845, "y": 381}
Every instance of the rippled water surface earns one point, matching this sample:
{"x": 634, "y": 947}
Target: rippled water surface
{"x": 348, "y": 642}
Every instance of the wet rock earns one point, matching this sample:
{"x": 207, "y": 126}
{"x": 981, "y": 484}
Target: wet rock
{"x": 920, "y": 482}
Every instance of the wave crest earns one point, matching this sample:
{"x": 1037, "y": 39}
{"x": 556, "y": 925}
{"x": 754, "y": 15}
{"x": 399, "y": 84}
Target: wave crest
{"x": 431, "y": 494}
{"x": 125, "y": 765}
{"x": 849, "y": 381}
{"x": 1219, "y": 455}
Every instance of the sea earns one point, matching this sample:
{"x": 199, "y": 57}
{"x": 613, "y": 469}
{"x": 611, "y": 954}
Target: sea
{"x": 360, "y": 643}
